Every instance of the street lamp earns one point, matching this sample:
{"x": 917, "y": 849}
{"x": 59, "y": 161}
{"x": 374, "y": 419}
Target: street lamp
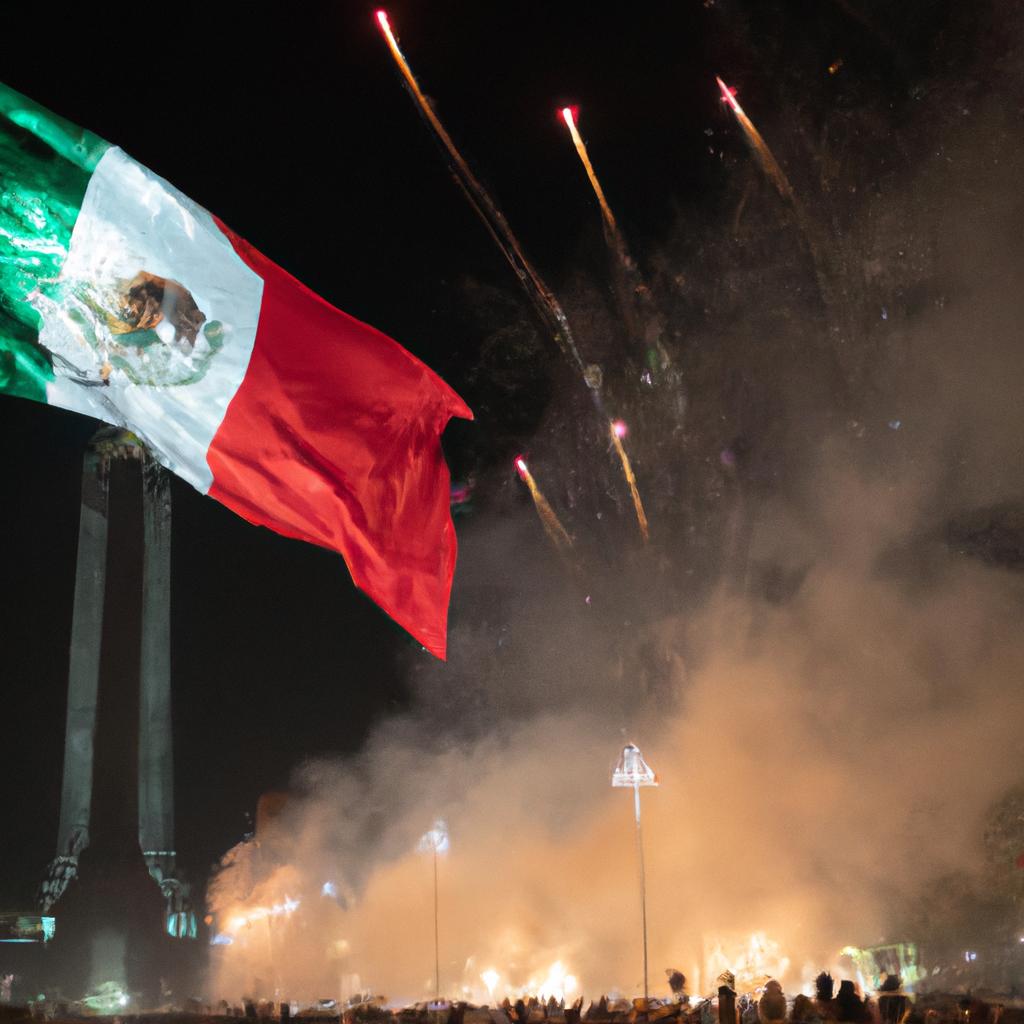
{"x": 632, "y": 770}
{"x": 435, "y": 841}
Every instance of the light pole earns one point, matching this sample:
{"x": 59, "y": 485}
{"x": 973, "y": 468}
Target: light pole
{"x": 633, "y": 771}
{"x": 435, "y": 841}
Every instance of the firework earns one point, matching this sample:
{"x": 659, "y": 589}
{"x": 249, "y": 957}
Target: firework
{"x": 764, "y": 156}
{"x": 552, "y": 525}
{"x": 544, "y": 300}
{"x": 543, "y": 297}
{"x": 617, "y": 431}
{"x": 569, "y": 116}
{"x": 632, "y": 293}
{"x": 774, "y": 173}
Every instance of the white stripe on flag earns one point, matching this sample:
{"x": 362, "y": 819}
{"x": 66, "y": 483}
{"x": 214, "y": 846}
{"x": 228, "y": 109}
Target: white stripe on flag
{"x": 169, "y": 390}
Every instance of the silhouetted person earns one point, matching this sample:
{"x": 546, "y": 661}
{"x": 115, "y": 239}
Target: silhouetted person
{"x": 771, "y": 1007}
{"x": 805, "y": 1011}
{"x": 893, "y": 1005}
{"x": 850, "y": 1008}
{"x": 676, "y": 983}
{"x": 824, "y": 988}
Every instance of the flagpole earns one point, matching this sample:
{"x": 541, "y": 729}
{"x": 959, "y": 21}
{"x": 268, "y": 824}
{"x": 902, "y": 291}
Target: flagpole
{"x": 632, "y": 771}
{"x": 437, "y": 955}
{"x": 643, "y": 882}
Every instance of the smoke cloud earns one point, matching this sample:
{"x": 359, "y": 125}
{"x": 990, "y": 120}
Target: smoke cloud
{"x": 831, "y": 725}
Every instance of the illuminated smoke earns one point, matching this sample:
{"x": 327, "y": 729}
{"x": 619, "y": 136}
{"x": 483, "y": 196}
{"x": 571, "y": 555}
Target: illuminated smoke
{"x": 829, "y": 734}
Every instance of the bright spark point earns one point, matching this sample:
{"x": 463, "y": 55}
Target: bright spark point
{"x": 490, "y": 978}
{"x": 620, "y": 428}
{"x": 436, "y": 839}
{"x": 382, "y": 20}
{"x": 521, "y": 467}
{"x": 569, "y": 116}
{"x": 728, "y": 95}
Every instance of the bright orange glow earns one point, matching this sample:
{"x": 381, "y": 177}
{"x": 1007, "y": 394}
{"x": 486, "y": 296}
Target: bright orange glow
{"x": 569, "y": 116}
{"x": 763, "y": 155}
{"x": 494, "y": 220}
{"x": 627, "y": 469}
{"x": 552, "y": 524}
{"x": 729, "y": 95}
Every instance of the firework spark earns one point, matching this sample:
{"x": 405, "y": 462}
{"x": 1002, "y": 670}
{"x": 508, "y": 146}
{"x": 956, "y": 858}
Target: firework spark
{"x": 552, "y": 525}
{"x": 811, "y": 234}
{"x": 568, "y": 115}
{"x": 617, "y": 430}
{"x": 764, "y": 156}
{"x": 632, "y": 292}
{"x": 487, "y": 210}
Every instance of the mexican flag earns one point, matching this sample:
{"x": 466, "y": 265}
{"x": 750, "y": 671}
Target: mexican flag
{"x": 122, "y": 299}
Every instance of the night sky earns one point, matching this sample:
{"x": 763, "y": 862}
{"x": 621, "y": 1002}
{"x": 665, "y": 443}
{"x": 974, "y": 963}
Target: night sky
{"x": 293, "y": 127}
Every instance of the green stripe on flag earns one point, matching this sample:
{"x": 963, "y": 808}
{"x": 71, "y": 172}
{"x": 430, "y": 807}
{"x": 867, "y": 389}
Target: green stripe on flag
{"x": 45, "y": 166}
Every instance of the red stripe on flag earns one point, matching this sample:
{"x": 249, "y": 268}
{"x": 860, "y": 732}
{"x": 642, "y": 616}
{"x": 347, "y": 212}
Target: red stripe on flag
{"x": 333, "y": 437}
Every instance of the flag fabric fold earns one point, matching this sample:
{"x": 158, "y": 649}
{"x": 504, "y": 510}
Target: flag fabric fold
{"x": 122, "y": 299}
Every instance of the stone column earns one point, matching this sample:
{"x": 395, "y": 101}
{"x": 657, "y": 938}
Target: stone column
{"x": 83, "y": 674}
{"x": 156, "y": 756}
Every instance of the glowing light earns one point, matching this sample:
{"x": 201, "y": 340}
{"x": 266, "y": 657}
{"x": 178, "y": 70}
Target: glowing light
{"x": 490, "y": 978}
{"x": 569, "y": 116}
{"x": 487, "y": 210}
{"x": 558, "y": 983}
{"x": 619, "y": 428}
{"x": 435, "y": 840}
{"x": 627, "y": 470}
{"x": 764, "y": 156}
{"x": 729, "y": 96}
{"x": 552, "y": 524}
{"x": 329, "y": 889}
{"x": 632, "y": 770}
{"x": 751, "y": 961}
{"x": 246, "y": 918}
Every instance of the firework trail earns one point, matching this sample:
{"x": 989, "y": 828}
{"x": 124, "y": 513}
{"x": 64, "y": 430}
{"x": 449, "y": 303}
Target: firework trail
{"x": 617, "y": 430}
{"x": 764, "y": 156}
{"x": 568, "y": 115}
{"x": 552, "y": 525}
{"x": 494, "y": 220}
{"x": 547, "y": 305}
{"x": 774, "y": 173}
{"x": 631, "y": 288}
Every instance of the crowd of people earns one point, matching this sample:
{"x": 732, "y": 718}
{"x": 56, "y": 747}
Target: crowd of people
{"x": 844, "y": 1006}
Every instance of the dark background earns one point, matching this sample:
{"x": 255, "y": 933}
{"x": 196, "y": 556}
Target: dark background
{"x": 291, "y": 124}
